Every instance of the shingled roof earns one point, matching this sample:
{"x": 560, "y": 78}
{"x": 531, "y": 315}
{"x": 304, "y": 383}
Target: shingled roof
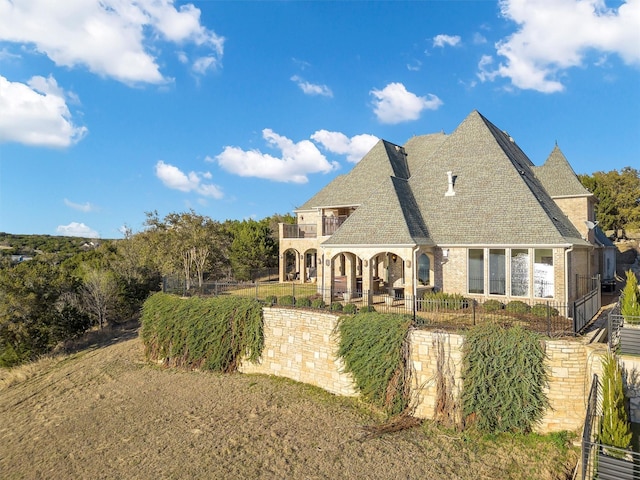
{"x": 498, "y": 199}
{"x": 383, "y": 161}
{"x": 558, "y": 177}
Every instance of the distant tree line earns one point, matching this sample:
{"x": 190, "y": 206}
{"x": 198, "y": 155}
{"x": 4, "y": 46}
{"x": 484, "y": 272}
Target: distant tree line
{"x": 61, "y": 293}
{"x": 618, "y": 193}
{"x": 11, "y": 244}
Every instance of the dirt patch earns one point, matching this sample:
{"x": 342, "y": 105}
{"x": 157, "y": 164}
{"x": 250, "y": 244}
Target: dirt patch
{"x": 103, "y": 412}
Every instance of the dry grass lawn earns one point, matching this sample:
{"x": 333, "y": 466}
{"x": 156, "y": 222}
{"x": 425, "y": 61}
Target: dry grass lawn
{"x": 104, "y": 413}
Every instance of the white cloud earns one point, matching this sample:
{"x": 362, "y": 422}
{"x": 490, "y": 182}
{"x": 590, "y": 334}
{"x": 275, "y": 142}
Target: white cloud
{"x": 82, "y": 207}
{"x": 555, "y": 35}
{"x": 310, "y": 88}
{"x": 479, "y": 39}
{"x": 415, "y": 66}
{"x": 336, "y": 142}
{"x": 444, "y": 40}
{"x": 75, "y": 229}
{"x": 297, "y": 160}
{"x": 394, "y": 104}
{"x": 36, "y": 113}
{"x": 176, "y": 179}
{"x": 113, "y": 38}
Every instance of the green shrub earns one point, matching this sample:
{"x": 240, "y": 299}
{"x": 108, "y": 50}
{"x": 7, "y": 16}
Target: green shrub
{"x": 336, "y": 307}
{"x": 541, "y": 310}
{"x": 517, "y": 306}
{"x": 615, "y": 427}
{"x": 492, "y": 305}
{"x": 630, "y": 300}
{"x": 373, "y": 347}
{"x": 367, "y": 309}
{"x": 303, "y": 302}
{"x": 211, "y": 333}
{"x": 350, "y": 308}
{"x": 442, "y": 300}
{"x": 318, "y": 303}
{"x": 287, "y": 300}
{"x": 271, "y": 300}
{"x": 504, "y": 378}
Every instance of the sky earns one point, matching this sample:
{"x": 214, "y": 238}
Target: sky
{"x": 241, "y": 110}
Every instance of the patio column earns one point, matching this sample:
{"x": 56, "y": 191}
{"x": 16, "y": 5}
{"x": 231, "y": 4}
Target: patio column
{"x": 350, "y": 271}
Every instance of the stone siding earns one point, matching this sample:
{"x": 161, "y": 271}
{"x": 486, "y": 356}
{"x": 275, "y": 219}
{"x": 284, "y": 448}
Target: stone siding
{"x": 301, "y": 345}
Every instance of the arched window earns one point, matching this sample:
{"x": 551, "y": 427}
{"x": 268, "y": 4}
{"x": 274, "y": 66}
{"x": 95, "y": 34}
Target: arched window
{"x": 424, "y": 266}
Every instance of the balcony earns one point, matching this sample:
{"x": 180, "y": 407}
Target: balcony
{"x": 299, "y": 231}
{"x": 331, "y": 224}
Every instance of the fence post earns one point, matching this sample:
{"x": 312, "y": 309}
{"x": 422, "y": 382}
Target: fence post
{"x": 549, "y": 319}
{"x": 473, "y": 308}
{"x": 413, "y": 301}
{"x": 257, "y": 294}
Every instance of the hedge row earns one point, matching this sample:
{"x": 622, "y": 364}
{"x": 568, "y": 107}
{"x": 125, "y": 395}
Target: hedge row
{"x": 207, "y": 333}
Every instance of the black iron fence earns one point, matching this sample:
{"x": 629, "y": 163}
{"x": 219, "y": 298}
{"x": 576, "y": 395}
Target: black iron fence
{"x": 447, "y": 312}
{"x": 624, "y": 332}
{"x": 602, "y": 461}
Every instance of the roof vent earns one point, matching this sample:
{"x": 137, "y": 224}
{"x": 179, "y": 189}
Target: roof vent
{"x": 452, "y": 180}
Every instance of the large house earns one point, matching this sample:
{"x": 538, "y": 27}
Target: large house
{"x": 464, "y": 213}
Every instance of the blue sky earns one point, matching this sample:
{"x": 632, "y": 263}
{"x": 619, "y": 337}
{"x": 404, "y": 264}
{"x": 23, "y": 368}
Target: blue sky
{"x": 113, "y": 108}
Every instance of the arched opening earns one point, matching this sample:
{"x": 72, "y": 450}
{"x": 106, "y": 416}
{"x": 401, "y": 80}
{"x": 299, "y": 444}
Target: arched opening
{"x": 291, "y": 265}
{"x": 311, "y": 265}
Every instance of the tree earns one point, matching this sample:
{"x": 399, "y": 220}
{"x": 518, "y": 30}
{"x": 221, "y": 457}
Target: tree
{"x": 99, "y": 294}
{"x": 252, "y": 247}
{"x": 619, "y": 199}
{"x": 615, "y": 428}
{"x": 37, "y": 309}
{"x": 186, "y": 243}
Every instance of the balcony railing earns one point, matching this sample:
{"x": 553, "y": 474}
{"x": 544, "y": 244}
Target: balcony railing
{"x": 299, "y": 231}
{"x": 331, "y": 224}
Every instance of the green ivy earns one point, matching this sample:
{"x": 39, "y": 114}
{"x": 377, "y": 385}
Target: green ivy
{"x": 374, "y": 348}
{"x": 504, "y": 378}
{"x": 209, "y": 333}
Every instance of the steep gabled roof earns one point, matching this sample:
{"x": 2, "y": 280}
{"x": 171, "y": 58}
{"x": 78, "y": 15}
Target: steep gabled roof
{"x": 421, "y": 148}
{"x": 498, "y": 199}
{"x": 558, "y": 177}
{"x": 390, "y": 216}
{"x": 383, "y": 160}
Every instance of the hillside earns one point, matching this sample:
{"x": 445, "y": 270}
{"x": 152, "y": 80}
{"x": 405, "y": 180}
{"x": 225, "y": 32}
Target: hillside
{"x": 103, "y": 412}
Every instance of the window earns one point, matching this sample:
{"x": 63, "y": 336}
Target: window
{"x": 543, "y": 273}
{"x": 424, "y": 267}
{"x": 520, "y": 272}
{"x": 497, "y": 272}
{"x": 476, "y": 271}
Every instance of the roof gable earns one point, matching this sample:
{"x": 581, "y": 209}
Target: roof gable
{"x": 382, "y": 161}
{"x": 390, "y": 216}
{"x": 497, "y": 200}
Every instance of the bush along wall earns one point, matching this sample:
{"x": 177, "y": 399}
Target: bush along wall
{"x": 375, "y": 350}
{"x": 207, "y": 333}
{"x": 504, "y": 379}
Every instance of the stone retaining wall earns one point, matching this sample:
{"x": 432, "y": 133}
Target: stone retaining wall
{"x": 301, "y": 345}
